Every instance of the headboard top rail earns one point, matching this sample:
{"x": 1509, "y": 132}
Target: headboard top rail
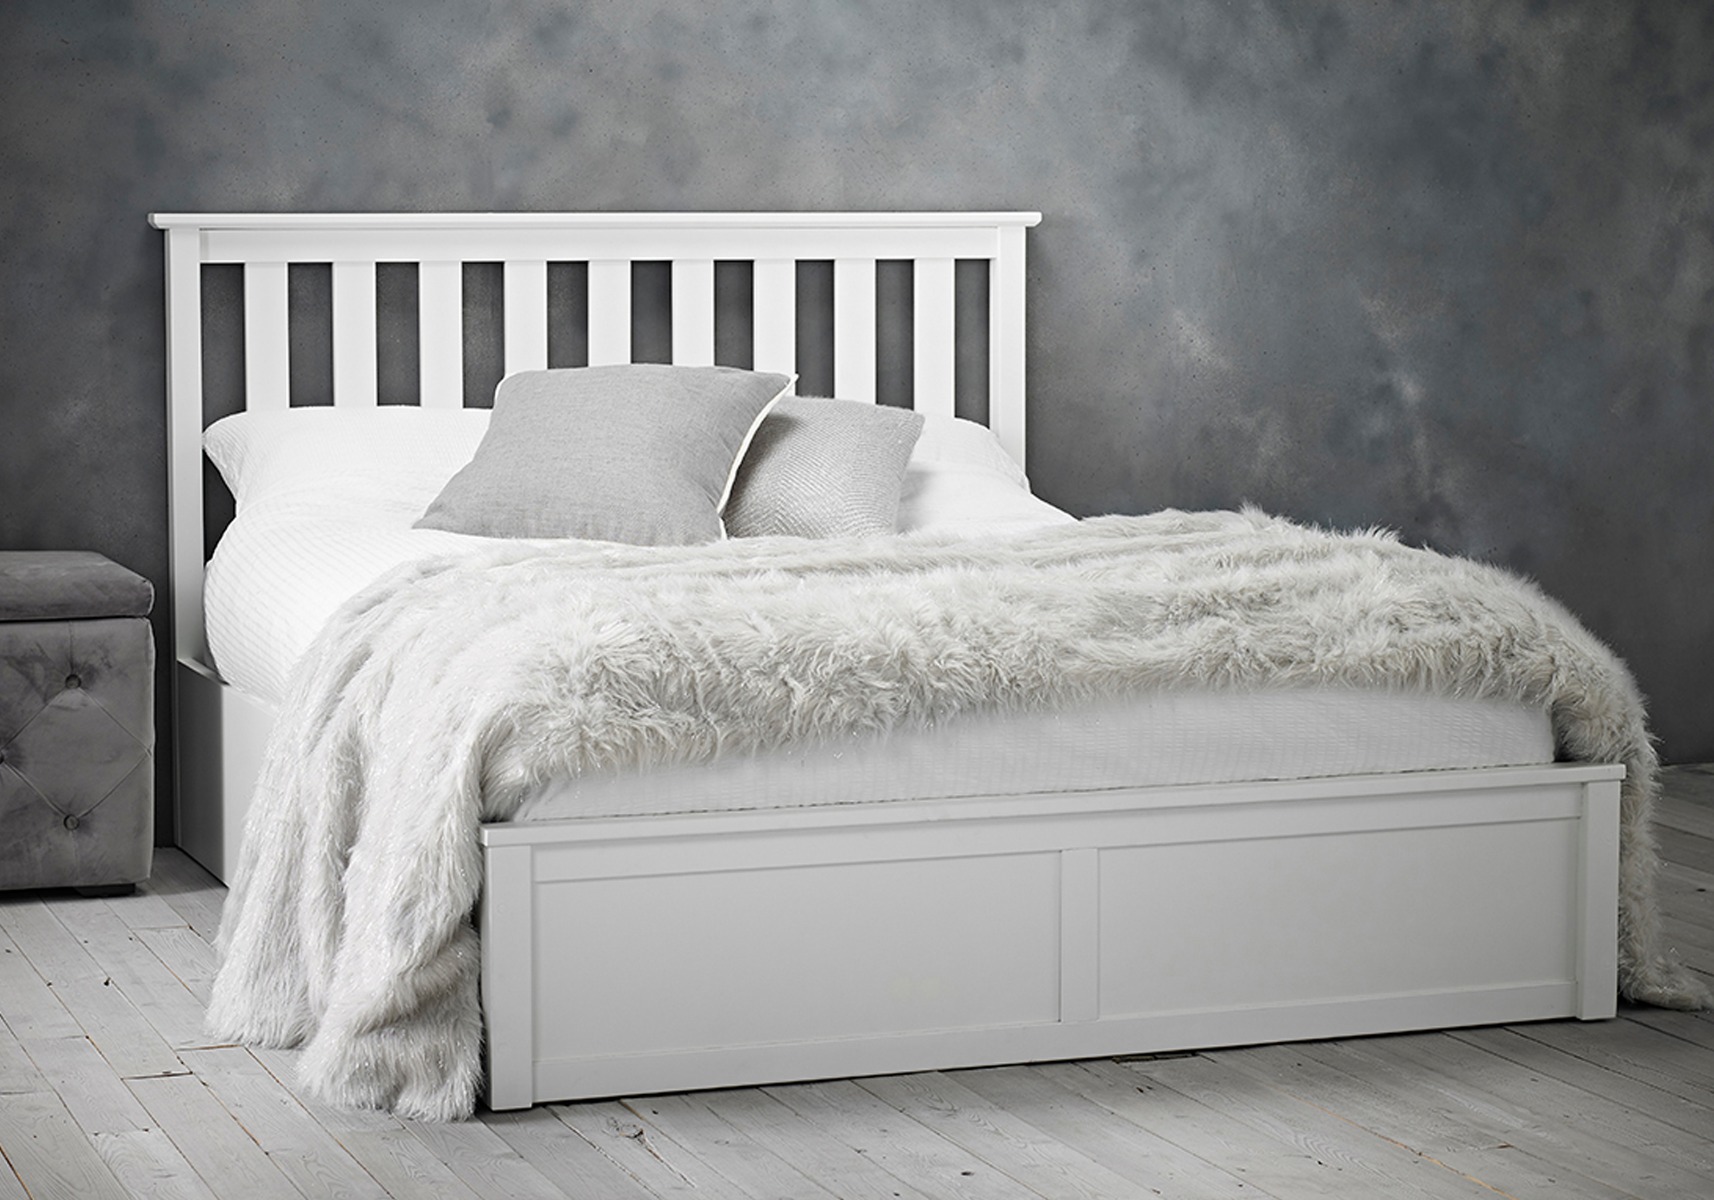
{"x": 593, "y": 220}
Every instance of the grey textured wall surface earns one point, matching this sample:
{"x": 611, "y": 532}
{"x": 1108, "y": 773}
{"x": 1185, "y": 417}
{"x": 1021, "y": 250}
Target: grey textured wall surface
{"x": 1442, "y": 265}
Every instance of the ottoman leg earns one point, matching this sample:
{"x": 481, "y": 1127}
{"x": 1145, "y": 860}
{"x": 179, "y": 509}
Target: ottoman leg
{"x": 103, "y": 890}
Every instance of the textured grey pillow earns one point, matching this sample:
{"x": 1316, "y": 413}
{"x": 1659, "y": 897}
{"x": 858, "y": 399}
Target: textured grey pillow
{"x": 823, "y": 468}
{"x": 639, "y": 453}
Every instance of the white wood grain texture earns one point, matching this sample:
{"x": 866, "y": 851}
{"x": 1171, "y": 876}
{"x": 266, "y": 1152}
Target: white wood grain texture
{"x": 131, "y": 966}
{"x": 773, "y": 306}
{"x": 509, "y": 983}
{"x": 267, "y": 341}
{"x": 184, "y": 952}
{"x": 215, "y": 1145}
{"x": 49, "y": 1153}
{"x": 1598, "y": 926}
{"x": 45, "y": 942}
{"x": 1635, "y": 1051}
{"x": 484, "y": 1161}
{"x": 146, "y": 1163}
{"x": 27, "y": 1004}
{"x": 1265, "y": 1164}
{"x": 96, "y": 1097}
{"x": 440, "y": 333}
{"x": 1583, "y": 1137}
{"x": 303, "y": 1151}
{"x": 1006, "y": 342}
{"x": 1696, "y": 1028}
{"x": 184, "y": 438}
{"x": 854, "y": 329}
{"x": 124, "y": 1035}
{"x": 144, "y": 909}
{"x": 933, "y": 330}
{"x": 818, "y": 1152}
{"x": 899, "y": 1143}
{"x": 526, "y": 319}
{"x": 1080, "y": 934}
{"x": 113, "y": 1023}
{"x": 1691, "y": 1116}
{"x": 1694, "y": 888}
{"x": 1137, "y": 1138}
{"x": 687, "y": 1120}
{"x": 402, "y": 1165}
{"x": 1360, "y": 1159}
{"x": 1010, "y": 1143}
{"x": 693, "y": 311}
{"x": 189, "y": 890}
{"x": 1399, "y": 1111}
{"x": 609, "y": 312}
{"x": 355, "y": 378}
{"x": 18, "y": 1071}
{"x": 563, "y": 1157}
{"x": 11, "y": 1187}
{"x": 658, "y": 1163}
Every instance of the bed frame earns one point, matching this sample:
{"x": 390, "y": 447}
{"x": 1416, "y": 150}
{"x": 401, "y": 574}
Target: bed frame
{"x": 644, "y": 954}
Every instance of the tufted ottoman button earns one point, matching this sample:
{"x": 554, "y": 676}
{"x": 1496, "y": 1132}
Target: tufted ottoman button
{"x": 73, "y": 681}
{"x": 71, "y": 822}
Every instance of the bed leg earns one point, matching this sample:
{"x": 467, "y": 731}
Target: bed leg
{"x": 508, "y": 975}
{"x": 1598, "y": 949}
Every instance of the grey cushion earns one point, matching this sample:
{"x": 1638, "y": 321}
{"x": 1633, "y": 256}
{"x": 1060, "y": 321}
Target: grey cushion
{"x": 823, "y": 468}
{"x": 640, "y": 453}
{"x": 77, "y": 722}
{"x": 43, "y": 585}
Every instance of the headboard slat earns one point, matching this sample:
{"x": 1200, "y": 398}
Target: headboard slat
{"x": 854, "y": 329}
{"x": 609, "y": 312}
{"x": 773, "y": 305}
{"x": 934, "y": 306}
{"x": 356, "y": 381}
{"x": 440, "y": 320}
{"x": 693, "y": 311}
{"x": 526, "y": 315}
{"x": 267, "y": 344}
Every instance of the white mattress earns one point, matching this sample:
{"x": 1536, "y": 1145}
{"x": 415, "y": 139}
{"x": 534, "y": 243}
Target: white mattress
{"x": 1138, "y": 741}
{"x": 280, "y": 573}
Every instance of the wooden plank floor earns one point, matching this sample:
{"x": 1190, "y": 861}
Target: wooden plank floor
{"x": 108, "y": 1088}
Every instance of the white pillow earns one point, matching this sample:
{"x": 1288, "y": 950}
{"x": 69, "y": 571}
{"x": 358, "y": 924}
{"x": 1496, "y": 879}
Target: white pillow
{"x": 389, "y": 462}
{"x": 955, "y": 440}
{"x": 390, "y": 458}
{"x": 965, "y": 497}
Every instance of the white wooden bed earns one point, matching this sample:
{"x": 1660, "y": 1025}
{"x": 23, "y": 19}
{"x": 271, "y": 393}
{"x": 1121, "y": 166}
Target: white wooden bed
{"x": 913, "y": 934}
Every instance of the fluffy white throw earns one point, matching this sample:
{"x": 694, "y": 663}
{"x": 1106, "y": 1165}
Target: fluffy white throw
{"x": 448, "y": 690}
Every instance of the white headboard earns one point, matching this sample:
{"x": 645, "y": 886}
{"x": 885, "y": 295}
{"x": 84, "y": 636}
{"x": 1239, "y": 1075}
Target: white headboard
{"x": 439, "y": 244}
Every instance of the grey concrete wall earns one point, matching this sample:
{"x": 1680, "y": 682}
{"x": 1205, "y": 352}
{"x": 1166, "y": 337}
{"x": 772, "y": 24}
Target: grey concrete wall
{"x": 1442, "y": 265}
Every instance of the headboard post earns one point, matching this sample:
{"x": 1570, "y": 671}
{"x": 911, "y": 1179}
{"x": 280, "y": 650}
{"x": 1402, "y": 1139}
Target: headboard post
{"x": 184, "y": 438}
{"x": 1006, "y": 341}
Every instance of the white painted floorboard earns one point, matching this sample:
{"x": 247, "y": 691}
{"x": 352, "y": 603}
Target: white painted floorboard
{"x": 109, "y": 1088}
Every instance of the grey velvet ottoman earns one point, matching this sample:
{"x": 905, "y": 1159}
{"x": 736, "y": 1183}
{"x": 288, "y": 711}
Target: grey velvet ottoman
{"x": 77, "y": 723}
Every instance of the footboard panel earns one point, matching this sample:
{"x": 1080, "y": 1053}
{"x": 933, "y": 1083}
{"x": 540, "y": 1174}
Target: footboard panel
{"x": 637, "y": 955}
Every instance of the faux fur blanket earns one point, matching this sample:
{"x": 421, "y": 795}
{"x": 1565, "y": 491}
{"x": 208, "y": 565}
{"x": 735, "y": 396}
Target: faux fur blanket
{"x": 448, "y": 690}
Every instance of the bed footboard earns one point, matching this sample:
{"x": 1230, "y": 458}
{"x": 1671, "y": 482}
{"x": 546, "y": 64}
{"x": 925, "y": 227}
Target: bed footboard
{"x": 629, "y": 956}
